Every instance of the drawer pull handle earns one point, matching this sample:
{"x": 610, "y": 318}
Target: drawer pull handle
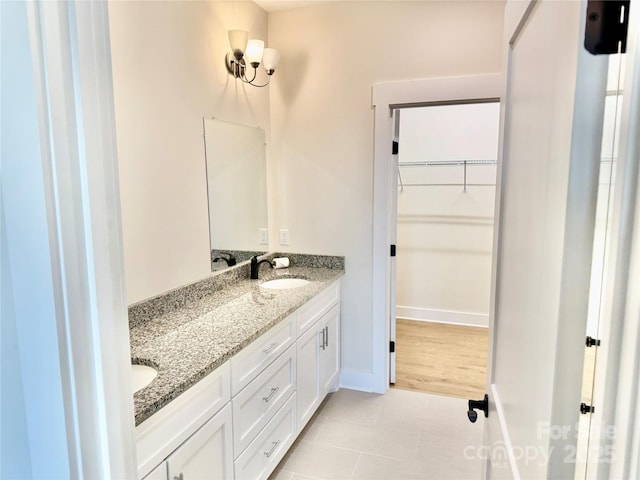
{"x": 326, "y": 337}
{"x": 270, "y": 348}
{"x": 178, "y": 477}
{"x": 323, "y": 340}
{"x": 273, "y": 392}
{"x": 273, "y": 447}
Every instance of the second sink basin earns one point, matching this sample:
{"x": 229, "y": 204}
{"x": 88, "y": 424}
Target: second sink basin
{"x": 141, "y": 376}
{"x": 285, "y": 283}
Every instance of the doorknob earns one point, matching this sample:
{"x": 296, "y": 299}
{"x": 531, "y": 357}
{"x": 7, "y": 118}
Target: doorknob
{"x": 480, "y": 405}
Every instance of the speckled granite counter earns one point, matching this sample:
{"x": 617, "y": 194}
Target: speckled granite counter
{"x": 189, "y": 332}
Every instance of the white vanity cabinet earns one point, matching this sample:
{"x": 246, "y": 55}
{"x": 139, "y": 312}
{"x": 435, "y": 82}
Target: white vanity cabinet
{"x": 264, "y": 424}
{"x": 262, "y": 456}
{"x": 207, "y": 453}
{"x": 193, "y": 427}
{"x": 318, "y": 326}
{"x": 318, "y": 363}
{"x": 239, "y": 421}
{"x": 254, "y": 358}
{"x": 158, "y": 473}
{"x": 330, "y": 351}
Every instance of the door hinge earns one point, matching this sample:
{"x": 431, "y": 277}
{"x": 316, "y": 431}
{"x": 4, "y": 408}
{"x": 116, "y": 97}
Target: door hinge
{"x": 584, "y": 408}
{"x": 393, "y": 250}
{"x": 392, "y": 346}
{"x": 606, "y": 26}
{"x": 592, "y": 342}
{"x": 395, "y": 147}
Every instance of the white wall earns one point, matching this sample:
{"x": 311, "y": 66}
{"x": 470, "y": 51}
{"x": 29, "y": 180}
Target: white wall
{"x": 322, "y": 122}
{"x": 31, "y": 394}
{"x": 169, "y": 73}
{"x": 445, "y": 233}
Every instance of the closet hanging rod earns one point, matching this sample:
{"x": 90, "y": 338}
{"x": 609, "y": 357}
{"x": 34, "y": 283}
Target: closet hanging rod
{"x": 447, "y": 185}
{"x": 446, "y": 163}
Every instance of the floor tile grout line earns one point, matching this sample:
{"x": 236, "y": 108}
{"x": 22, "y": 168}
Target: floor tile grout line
{"x": 419, "y": 437}
{"x": 337, "y": 447}
{"x": 355, "y": 467}
{"x": 378, "y": 427}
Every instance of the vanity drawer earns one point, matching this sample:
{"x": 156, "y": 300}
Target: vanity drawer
{"x": 251, "y": 360}
{"x": 254, "y": 406}
{"x": 165, "y": 430}
{"x": 263, "y": 454}
{"x": 310, "y": 312}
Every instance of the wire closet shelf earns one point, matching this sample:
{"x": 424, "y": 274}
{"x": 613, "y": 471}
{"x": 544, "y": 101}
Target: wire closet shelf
{"x": 444, "y": 163}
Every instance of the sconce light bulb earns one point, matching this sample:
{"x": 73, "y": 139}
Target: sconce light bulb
{"x": 270, "y": 60}
{"x": 238, "y": 42}
{"x": 253, "y": 54}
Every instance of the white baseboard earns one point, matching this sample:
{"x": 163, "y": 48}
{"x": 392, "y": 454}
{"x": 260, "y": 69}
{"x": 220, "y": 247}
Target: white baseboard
{"x": 356, "y": 380}
{"x": 443, "y": 316}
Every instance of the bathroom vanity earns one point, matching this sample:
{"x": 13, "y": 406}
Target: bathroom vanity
{"x": 241, "y": 369}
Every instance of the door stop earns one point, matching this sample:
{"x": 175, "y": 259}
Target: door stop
{"x": 480, "y": 405}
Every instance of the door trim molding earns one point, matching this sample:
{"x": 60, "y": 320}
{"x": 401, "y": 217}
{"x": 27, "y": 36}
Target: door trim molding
{"x": 506, "y": 438}
{"x": 71, "y": 58}
{"x": 615, "y": 424}
{"x": 386, "y": 96}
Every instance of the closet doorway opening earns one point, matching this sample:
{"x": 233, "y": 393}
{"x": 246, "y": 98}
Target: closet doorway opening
{"x": 443, "y": 227}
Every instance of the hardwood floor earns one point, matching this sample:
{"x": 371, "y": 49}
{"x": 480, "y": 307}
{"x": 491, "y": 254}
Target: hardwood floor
{"x": 441, "y": 359}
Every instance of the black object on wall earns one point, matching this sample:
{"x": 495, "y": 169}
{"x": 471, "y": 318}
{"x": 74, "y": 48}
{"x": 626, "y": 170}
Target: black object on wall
{"x": 606, "y": 27}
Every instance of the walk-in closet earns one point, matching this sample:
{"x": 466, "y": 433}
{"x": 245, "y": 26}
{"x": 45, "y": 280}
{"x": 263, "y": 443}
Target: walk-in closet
{"x": 446, "y": 159}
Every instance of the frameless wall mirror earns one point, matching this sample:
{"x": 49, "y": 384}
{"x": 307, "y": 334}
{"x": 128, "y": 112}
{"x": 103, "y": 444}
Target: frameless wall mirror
{"x": 237, "y": 191}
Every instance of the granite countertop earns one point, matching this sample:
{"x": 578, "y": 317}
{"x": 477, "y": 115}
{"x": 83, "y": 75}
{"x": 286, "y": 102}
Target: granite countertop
{"x": 200, "y": 332}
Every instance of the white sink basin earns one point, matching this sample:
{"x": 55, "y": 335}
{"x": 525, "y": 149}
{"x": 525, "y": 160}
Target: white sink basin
{"x": 285, "y": 283}
{"x": 141, "y": 376}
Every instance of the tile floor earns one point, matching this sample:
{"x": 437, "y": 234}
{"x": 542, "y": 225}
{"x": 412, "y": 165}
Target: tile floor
{"x": 399, "y": 435}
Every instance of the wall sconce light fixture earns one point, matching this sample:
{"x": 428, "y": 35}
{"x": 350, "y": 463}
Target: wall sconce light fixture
{"x": 245, "y": 53}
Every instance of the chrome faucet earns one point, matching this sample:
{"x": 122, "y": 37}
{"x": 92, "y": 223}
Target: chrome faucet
{"x": 255, "y": 266}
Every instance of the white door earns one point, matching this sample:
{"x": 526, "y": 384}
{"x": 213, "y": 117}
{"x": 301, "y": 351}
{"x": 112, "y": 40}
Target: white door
{"x": 548, "y": 171}
{"x": 393, "y": 232}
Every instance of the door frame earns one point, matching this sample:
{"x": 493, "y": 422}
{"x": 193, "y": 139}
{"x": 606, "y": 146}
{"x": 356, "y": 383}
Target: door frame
{"x": 616, "y": 423}
{"x": 71, "y": 59}
{"x": 385, "y": 98}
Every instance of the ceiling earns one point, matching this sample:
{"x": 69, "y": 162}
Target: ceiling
{"x": 278, "y": 5}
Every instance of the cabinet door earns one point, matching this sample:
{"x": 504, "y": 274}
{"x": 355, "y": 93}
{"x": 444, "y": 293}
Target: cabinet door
{"x": 330, "y": 350}
{"x": 207, "y": 454}
{"x": 158, "y": 473}
{"x": 308, "y": 381}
